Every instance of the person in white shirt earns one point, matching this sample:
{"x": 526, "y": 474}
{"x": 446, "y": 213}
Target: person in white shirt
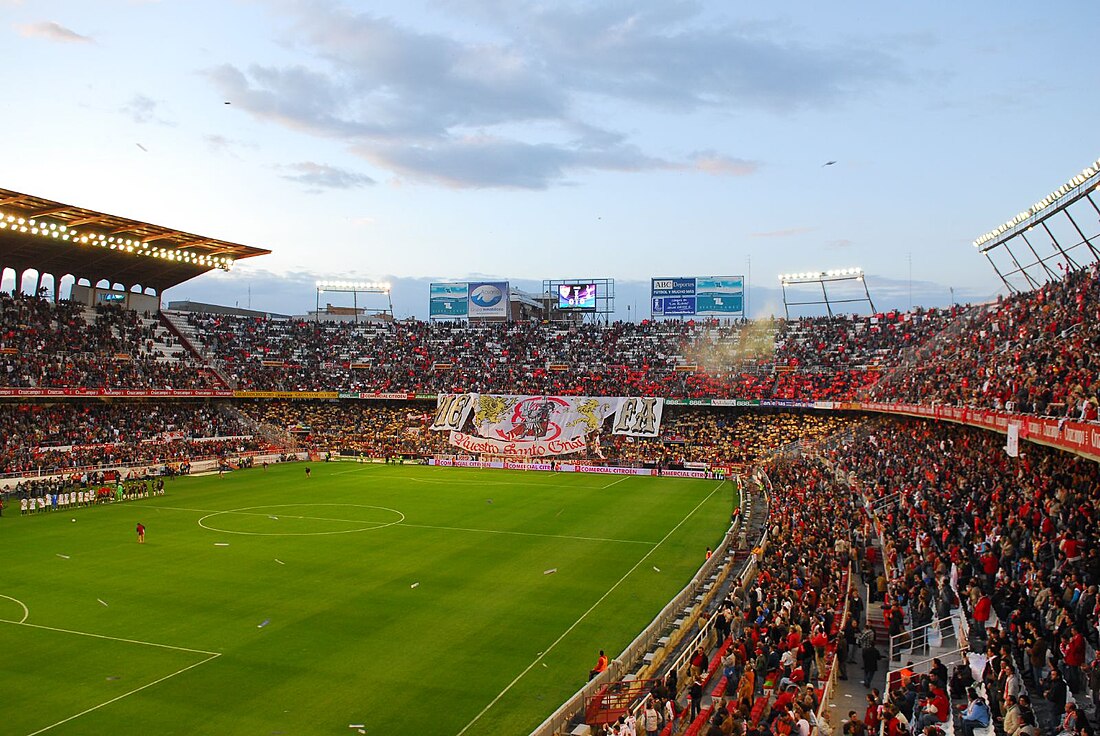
{"x": 802, "y": 724}
{"x": 651, "y": 719}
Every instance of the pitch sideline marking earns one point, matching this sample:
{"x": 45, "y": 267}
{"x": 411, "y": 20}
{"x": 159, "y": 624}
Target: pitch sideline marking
{"x": 584, "y": 615}
{"x": 614, "y": 483}
{"x": 212, "y": 656}
{"x": 526, "y": 534}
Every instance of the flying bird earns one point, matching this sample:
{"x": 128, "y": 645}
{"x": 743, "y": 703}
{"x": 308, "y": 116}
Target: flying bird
{"x": 828, "y": 163}
{"x": 142, "y": 147}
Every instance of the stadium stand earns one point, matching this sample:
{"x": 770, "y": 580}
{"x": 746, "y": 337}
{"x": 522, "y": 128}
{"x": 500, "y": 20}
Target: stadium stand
{"x": 769, "y": 359}
{"x": 66, "y": 344}
{"x": 44, "y": 438}
{"x": 722, "y": 436}
{"x": 1011, "y": 542}
{"x": 1032, "y": 353}
{"x": 1014, "y": 543}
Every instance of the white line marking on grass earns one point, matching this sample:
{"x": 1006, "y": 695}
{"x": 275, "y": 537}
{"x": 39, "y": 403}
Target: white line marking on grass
{"x": 361, "y": 468}
{"x": 514, "y": 484}
{"x": 525, "y": 534}
{"x": 363, "y": 525}
{"x": 22, "y": 605}
{"x": 111, "y": 638}
{"x": 615, "y": 483}
{"x": 127, "y": 694}
{"x": 584, "y": 615}
{"x": 247, "y": 511}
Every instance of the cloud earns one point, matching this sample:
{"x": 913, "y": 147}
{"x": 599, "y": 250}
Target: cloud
{"x": 50, "y": 31}
{"x": 517, "y": 106}
{"x": 143, "y": 110}
{"x": 840, "y": 244}
{"x": 716, "y": 164}
{"x": 478, "y": 162}
{"x": 784, "y": 233}
{"x": 221, "y": 145}
{"x": 323, "y": 176}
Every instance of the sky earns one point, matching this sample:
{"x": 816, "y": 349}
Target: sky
{"x": 431, "y": 140}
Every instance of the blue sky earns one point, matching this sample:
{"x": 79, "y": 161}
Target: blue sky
{"x": 529, "y": 140}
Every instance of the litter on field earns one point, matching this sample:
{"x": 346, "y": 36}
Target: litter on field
{"x": 415, "y": 585}
{"x": 355, "y": 725}
{"x": 221, "y": 544}
{"x": 551, "y": 571}
{"x": 263, "y": 623}
{"x": 102, "y": 602}
{"x": 64, "y": 557}
{"x": 114, "y": 677}
{"x": 657, "y": 569}
{"x": 273, "y": 518}
{"x": 280, "y": 562}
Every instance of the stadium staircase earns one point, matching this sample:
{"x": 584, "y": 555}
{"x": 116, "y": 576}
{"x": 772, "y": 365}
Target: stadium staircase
{"x": 177, "y": 324}
{"x": 265, "y": 431}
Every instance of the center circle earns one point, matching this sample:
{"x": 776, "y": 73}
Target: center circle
{"x": 19, "y": 603}
{"x": 270, "y": 514}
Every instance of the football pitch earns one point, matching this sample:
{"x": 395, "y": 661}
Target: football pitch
{"x": 407, "y": 599}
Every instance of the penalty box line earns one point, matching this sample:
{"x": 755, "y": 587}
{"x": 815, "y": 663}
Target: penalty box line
{"x": 584, "y": 615}
{"x": 210, "y": 656}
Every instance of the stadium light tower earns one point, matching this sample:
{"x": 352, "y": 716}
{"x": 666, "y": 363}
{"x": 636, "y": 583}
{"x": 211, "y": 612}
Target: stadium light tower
{"x": 1047, "y": 232}
{"x": 355, "y": 288}
{"x": 822, "y": 278}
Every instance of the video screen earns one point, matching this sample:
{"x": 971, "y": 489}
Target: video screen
{"x": 580, "y": 297}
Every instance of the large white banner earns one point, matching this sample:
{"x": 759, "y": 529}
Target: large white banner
{"x": 546, "y": 418}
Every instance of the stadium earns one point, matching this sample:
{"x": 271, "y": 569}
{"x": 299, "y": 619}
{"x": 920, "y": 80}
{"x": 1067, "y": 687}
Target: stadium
{"x": 523, "y": 505}
{"x": 335, "y": 505}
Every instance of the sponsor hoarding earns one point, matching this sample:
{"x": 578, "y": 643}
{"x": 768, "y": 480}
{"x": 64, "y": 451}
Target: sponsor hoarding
{"x": 448, "y": 300}
{"x": 487, "y": 299}
{"x": 691, "y": 296}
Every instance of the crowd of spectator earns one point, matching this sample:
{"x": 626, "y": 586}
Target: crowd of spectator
{"x": 764, "y": 359}
{"x": 1013, "y": 541}
{"x": 689, "y": 434}
{"x": 723, "y": 436}
{"x": 778, "y": 636}
{"x": 44, "y": 344}
{"x": 51, "y": 437}
{"x": 1034, "y": 353}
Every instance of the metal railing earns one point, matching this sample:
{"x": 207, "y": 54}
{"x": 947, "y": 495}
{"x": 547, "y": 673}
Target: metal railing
{"x": 831, "y": 678}
{"x": 647, "y": 640}
{"x": 920, "y": 637}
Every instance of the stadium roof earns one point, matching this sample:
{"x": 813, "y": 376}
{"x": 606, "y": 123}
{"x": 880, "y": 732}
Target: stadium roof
{"x": 58, "y": 239}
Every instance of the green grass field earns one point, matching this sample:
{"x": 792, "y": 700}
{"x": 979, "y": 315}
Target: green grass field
{"x": 412, "y": 600}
